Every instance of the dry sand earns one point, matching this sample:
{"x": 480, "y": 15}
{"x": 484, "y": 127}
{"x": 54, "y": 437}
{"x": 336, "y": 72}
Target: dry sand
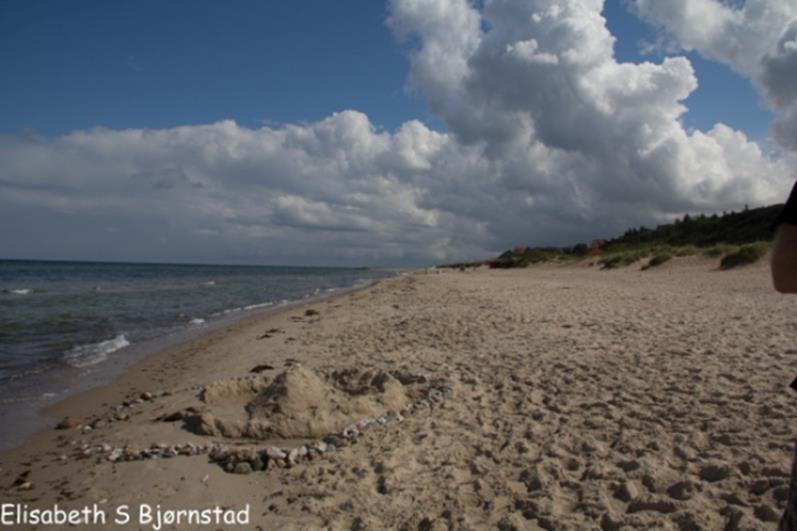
{"x": 581, "y": 399}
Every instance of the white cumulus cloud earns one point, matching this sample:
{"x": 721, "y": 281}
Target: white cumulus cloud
{"x": 548, "y": 140}
{"x": 757, "y": 38}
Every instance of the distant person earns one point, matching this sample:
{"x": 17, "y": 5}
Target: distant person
{"x": 784, "y": 277}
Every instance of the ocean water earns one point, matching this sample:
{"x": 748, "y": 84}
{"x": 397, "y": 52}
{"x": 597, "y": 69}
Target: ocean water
{"x": 60, "y": 321}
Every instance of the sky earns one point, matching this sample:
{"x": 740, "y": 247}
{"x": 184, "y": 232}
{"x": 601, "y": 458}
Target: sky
{"x": 402, "y": 133}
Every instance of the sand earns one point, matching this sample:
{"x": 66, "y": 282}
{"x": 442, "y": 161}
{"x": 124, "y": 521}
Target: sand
{"x": 580, "y": 399}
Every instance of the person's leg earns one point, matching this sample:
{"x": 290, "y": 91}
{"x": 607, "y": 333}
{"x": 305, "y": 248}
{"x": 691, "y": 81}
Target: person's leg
{"x": 788, "y": 521}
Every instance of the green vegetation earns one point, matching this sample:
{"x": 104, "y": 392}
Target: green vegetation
{"x": 524, "y": 257}
{"x": 621, "y": 259}
{"x": 737, "y": 237}
{"x": 720, "y": 249}
{"x": 747, "y": 254}
{"x": 750, "y": 225}
{"x": 657, "y": 260}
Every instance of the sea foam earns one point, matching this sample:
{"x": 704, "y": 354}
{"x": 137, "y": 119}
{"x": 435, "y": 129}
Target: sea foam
{"x": 92, "y": 354}
{"x": 21, "y": 291}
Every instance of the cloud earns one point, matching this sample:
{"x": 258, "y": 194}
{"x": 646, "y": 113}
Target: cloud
{"x": 571, "y": 136}
{"x": 757, "y": 38}
{"x": 549, "y": 140}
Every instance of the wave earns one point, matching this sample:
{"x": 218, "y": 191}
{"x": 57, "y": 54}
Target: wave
{"x": 196, "y": 321}
{"x": 210, "y": 283}
{"x": 243, "y": 308}
{"x": 86, "y": 355}
{"x": 20, "y": 291}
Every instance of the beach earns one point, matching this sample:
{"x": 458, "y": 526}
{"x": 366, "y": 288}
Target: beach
{"x": 560, "y": 396}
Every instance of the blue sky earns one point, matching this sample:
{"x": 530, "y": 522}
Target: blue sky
{"x": 74, "y": 65}
{"x": 154, "y": 64}
{"x": 319, "y": 133}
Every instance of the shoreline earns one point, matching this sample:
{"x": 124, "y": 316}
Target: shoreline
{"x": 579, "y": 398}
{"x": 108, "y": 374}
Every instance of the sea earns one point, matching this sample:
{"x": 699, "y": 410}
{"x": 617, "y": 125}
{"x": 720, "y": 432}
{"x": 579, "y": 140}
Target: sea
{"x": 68, "y": 326}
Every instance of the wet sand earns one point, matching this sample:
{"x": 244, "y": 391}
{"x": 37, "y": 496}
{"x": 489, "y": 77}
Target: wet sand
{"x": 579, "y": 399}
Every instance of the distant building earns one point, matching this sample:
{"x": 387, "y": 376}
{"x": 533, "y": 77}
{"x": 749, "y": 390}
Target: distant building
{"x": 596, "y": 248}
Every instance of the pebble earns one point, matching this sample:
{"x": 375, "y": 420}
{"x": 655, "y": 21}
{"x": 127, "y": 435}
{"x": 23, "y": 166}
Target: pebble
{"x": 293, "y": 456}
{"x": 68, "y": 423}
{"x": 115, "y": 455}
{"x": 246, "y": 460}
{"x": 334, "y": 440}
{"x": 350, "y": 432}
{"x": 243, "y": 468}
{"x": 275, "y": 453}
{"x": 393, "y": 416}
{"x": 435, "y": 395}
{"x": 422, "y": 404}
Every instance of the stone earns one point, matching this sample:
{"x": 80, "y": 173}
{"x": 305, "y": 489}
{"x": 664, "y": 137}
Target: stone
{"x": 275, "y": 453}
{"x": 146, "y": 395}
{"x": 320, "y": 447}
{"x": 68, "y": 423}
{"x": 243, "y": 468}
{"x": 293, "y": 457}
{"x": 335, "y": 440}
{"x": 350, "y": 432}
{"x": 219, "y": 453}
{"x": 115, "y": 455}
{"x": 393, "y": 416}
{"x": 435, "y": 395}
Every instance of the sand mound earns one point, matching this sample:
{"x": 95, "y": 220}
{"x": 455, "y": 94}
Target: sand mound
{"x": 222, "y": 391}
{"x": 303, "y": 403}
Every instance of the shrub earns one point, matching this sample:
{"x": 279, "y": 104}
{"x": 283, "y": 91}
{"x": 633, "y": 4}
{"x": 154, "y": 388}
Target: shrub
{"x": 621, "y": 259}
{"x": 657, "y": 260}
{"x": 747, "y": 254}
{"x": 685, "y": 250}
{"x": 720, "y": 249}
